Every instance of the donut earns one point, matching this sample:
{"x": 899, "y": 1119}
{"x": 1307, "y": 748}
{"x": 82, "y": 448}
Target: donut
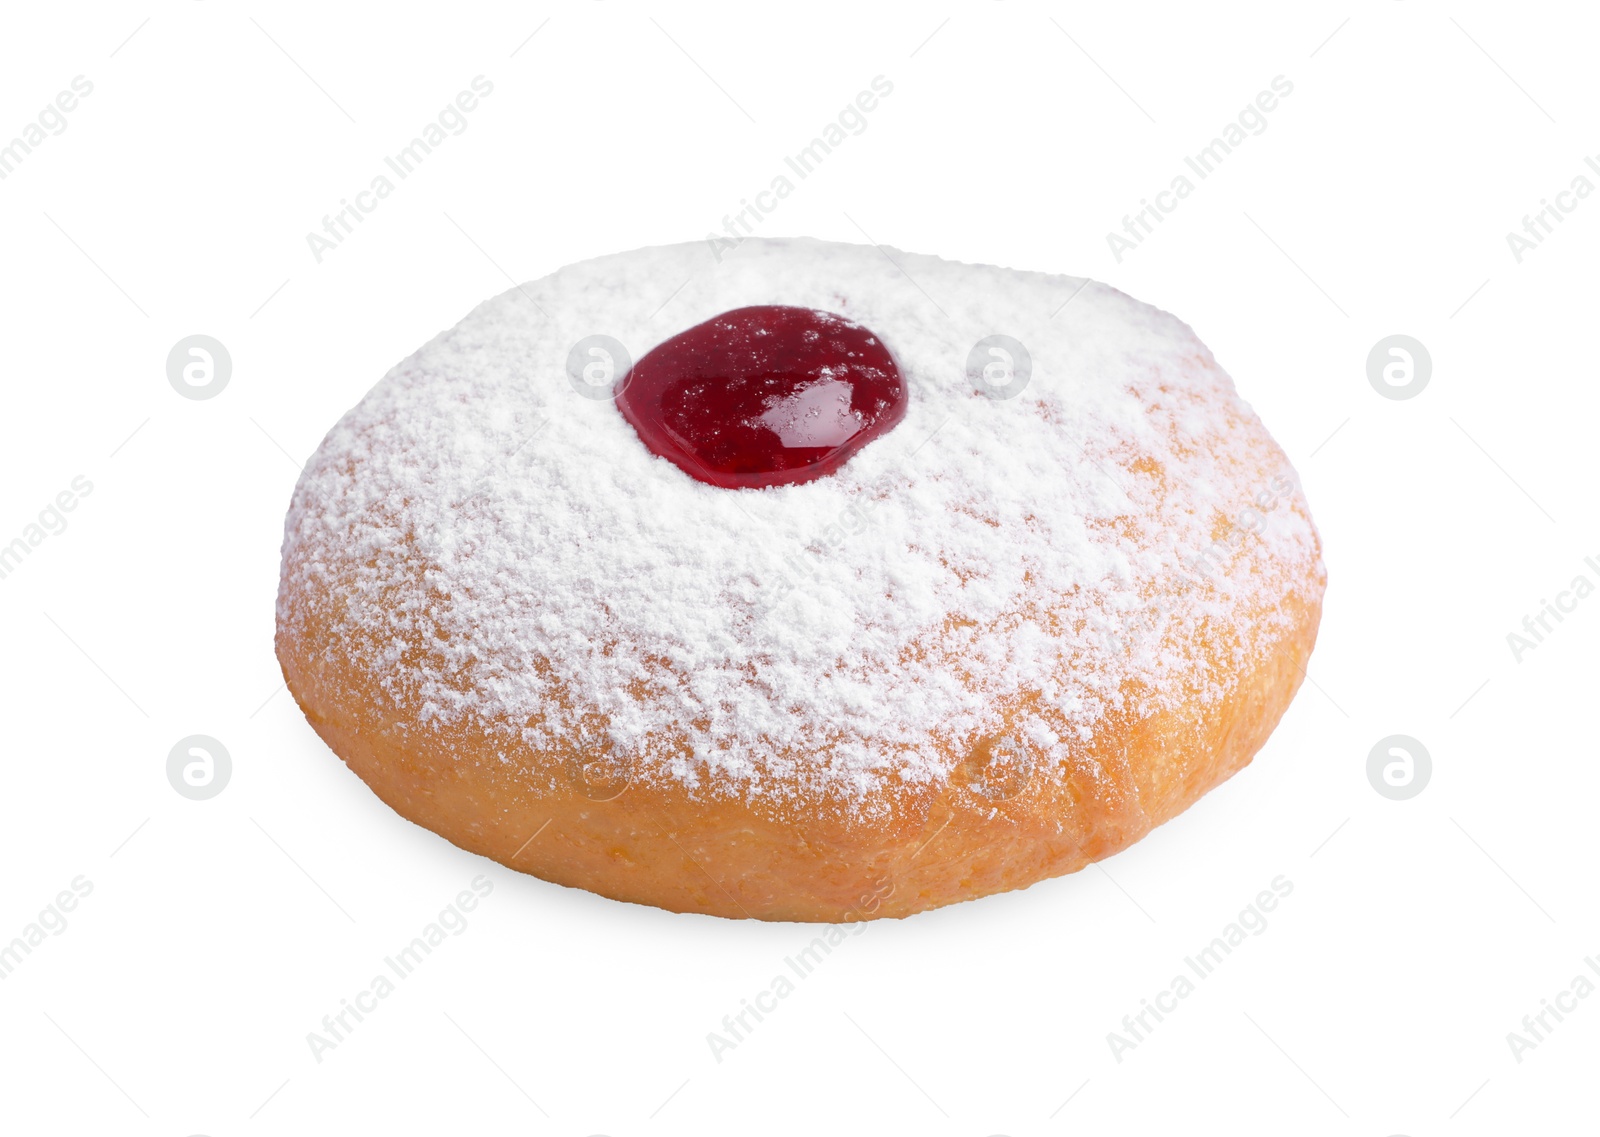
{"x": 804, "y": 581}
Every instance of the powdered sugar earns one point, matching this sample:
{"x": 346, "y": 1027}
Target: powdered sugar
{"x": 508, "y": 553}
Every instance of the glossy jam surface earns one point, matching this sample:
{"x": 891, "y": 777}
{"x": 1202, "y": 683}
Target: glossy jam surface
{"x": 764, "y": 396}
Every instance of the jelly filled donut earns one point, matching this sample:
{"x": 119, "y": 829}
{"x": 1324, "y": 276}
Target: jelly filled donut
{"x": 877, "y": 582}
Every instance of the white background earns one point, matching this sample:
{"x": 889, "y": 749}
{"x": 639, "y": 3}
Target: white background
{"x": 219, "y": 933}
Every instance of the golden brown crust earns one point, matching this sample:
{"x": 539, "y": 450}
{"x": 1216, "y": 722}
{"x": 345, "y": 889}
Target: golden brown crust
{"x": 926, "y": 846}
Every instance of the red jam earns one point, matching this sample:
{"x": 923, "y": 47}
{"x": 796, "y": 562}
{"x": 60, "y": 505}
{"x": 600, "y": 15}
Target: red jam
{"x": 764, "y": 396}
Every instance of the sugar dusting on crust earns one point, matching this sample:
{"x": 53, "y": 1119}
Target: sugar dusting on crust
{"x": 492, "y": 549}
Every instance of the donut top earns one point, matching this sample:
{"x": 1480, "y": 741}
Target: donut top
{"x": 495, "y": 548}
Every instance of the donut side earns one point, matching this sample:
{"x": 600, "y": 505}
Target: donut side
{"x": 657, "y": 844}
{"x": 577, "y": 815}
